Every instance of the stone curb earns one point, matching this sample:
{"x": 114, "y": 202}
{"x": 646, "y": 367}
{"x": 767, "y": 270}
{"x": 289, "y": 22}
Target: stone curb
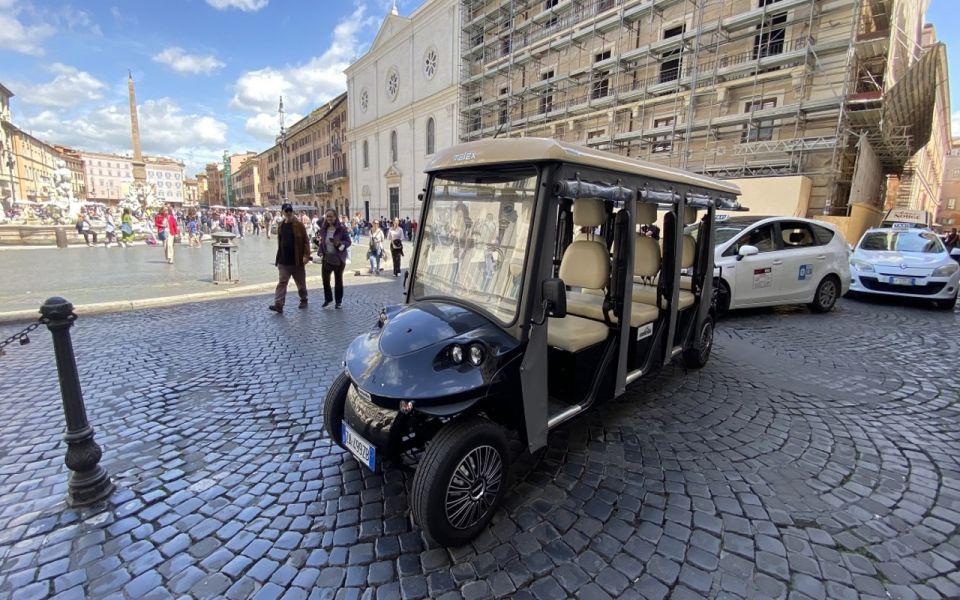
{"x": 224, "y": 293}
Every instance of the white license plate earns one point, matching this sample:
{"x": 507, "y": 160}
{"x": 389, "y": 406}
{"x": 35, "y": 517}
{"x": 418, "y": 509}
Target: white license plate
{"x": 902, "y": 280}
{"x": 360, "y": 448}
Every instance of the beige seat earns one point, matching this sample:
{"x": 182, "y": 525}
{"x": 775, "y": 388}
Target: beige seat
{"x": 585, "y": 264}
{"x": 647, "y": 293}
{"x": 587, "y": 212}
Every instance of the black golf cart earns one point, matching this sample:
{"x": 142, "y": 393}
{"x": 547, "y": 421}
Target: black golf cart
{"x": 531, "y": 297}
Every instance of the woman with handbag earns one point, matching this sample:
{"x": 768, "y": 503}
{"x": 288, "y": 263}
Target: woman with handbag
{"x": 376, "y": 249}
{"x": 395, "y": 237}
{"x": 111, "y": 229}
{"x": 334, "y": 240}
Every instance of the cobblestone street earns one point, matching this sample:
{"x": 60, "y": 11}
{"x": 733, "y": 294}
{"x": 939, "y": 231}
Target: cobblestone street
{"x": 814, "y": 456}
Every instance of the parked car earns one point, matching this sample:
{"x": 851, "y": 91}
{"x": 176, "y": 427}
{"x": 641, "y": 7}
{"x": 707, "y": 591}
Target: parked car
{"x": 907, "y": 262}
{"x": 512, "y": 326}
{"x": 770, "y": 261}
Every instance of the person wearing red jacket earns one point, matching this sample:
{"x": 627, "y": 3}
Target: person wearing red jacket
{"x": 166, "y": 225}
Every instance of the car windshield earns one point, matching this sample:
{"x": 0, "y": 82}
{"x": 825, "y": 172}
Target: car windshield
{"x": 922, "y": 242}
{"x": 722, "y": 230}
{"x": 475, "y": 239}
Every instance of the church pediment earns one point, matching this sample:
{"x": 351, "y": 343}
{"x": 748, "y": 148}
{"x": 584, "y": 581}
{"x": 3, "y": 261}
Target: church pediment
{"x": 393, "y": 173}
{"x": 390, "y": 27}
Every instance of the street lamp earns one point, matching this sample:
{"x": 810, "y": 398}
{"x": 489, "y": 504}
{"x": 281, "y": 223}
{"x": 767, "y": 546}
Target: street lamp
{"x": 13, "y": 189}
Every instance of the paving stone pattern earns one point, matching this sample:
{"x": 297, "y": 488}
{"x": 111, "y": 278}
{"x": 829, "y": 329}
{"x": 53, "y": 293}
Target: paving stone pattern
{"x": 815, "y": 456}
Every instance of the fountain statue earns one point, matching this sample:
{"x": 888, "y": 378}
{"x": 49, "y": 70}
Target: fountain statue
{"x": 62, "y": 200}
{"x": 140, "y": 197}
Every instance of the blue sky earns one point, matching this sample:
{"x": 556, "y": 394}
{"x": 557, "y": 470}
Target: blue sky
{"x": 208, "y": 72}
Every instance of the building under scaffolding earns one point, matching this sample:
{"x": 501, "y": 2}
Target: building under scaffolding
{"x": 789, "y": 97}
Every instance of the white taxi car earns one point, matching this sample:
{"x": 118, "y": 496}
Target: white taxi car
{"x": 768, "y": 261}
{"x": 906, "y": 262}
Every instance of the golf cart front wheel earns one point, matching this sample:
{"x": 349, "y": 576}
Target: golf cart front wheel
{"x": 333, "y": 407}
{"x": 461, "y": 480}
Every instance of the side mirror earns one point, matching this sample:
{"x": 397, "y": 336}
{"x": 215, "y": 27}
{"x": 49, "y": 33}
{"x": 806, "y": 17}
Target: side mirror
{"x": 747, "y": 250}
{"x": 555, "y": 297}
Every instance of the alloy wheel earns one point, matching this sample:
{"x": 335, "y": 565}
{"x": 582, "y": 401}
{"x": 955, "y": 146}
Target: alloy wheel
{"x": 473, "y": 487}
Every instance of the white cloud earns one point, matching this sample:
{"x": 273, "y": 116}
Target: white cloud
{"x": 70, "y": 87}
{"x": 304, "y": 86}
{"x": 18, "y": 36}
{"x": 164, "y": 129}
{"x": 191, "y": 64}
{"x": 266, "y": 126}
{"x": 955, "y": 124}
{"x": 244, "y": 5}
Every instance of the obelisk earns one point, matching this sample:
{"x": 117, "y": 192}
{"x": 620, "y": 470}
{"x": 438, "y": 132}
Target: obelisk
{"x": 139, "y": 168}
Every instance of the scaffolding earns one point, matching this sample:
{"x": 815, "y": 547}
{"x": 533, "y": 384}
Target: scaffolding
{"x": 732, "y": 88}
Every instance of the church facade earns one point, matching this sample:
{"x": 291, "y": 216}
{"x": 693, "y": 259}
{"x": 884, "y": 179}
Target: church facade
{"x": 402, "y": 97}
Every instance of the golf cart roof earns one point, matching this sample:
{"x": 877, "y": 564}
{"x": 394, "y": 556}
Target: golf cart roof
{"x": 527, "y": 149}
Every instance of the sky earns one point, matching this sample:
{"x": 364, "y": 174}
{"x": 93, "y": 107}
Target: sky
{"x": 208, "y": 73}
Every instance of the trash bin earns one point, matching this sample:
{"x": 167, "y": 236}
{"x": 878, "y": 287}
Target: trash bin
{"x": 61, "y": 235}
{"x": 226, "y": 265}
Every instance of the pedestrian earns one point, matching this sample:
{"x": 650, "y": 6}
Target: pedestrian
{"x": 413, "y": 230}
{"x": 126, "y": 228}
{"x": 111, "y": 229}
{"x": 85, "y": 228}
{"x": 375, "y": 253}
{"x": 334, "y": 242}
{"x": 166, "y": 226}
{"x": 953, "y": 240}
{"x": 193, "y": 228}
{"x": 267, "y": 218}
{"x": 293, "y": 254}
{"x": 395, "y": 237}
{"x": 255, "y": 222}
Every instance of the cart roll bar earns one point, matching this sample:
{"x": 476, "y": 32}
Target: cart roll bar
{"x": 579, "y": 189}
{"x": 697, "y": 200}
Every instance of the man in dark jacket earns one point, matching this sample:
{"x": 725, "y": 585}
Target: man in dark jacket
{"x": 293, "y": 253}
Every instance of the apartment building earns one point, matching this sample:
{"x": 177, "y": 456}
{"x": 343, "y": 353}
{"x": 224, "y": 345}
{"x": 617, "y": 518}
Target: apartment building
{"x": 74, "y": 162}
{"x": 948, "y": 215}
{"x": 312, "y": 169}
{"x": 245, "y": 182}
{"x": 7, "y": 178}
{"x": 34, "y": 163}
{"x": 786, "y": 97}
{"x": 191, "y": 192}
{"x": 214, "y": 194}
{"x": 166, "y": 177}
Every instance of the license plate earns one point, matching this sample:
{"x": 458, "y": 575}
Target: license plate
{"x": 363, "y": 450}
{"x": 902, "y": 280}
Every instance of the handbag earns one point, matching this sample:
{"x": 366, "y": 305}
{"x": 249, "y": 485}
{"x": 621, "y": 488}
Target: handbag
{"x": 162, "y": 235}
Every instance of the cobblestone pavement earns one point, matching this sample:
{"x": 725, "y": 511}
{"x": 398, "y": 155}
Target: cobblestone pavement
{"x": 815, "y": 456}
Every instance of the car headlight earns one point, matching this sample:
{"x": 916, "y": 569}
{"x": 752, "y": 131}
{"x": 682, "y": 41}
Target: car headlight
{"x": 456, "y": 354}
{"x": 861, "y": 265}
{"x": 946, "y": 270}
{"x": 476, "y": 354}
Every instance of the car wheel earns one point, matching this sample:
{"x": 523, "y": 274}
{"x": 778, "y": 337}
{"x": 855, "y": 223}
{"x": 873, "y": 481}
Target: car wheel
{"x": 723, "y": 297}
{"x": 697, "y": 355}
{"x": 946, "y": 304}
{"x": 333, "y": 407}
{"x": 826, "y": 295}
{"x": 461, "y": 480}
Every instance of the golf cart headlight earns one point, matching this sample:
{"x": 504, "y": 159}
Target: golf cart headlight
{"x": 946, "y": 270}
{"x": 861, "y": 265}
{"x": 456, "y": 354}
{"x": 476, "y": 354}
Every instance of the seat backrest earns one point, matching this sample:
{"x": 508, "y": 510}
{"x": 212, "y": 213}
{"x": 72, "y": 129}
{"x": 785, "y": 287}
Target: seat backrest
{"x": 646, "y": 213}
{"x": 585, "y": 264}
{"x": 646, "y": 257}
{"x": 689, "y": 253}
{"x": 588, "y": 212}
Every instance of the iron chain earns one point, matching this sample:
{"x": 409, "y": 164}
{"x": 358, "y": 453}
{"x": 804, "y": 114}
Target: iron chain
{"x": 23, "y": 336}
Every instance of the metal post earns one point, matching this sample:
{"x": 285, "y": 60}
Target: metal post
{"x": 89, "y": 482}
{"x": 13, "y": 187}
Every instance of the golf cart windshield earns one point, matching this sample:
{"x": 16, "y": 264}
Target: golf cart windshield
{"x": 475, "y": 235}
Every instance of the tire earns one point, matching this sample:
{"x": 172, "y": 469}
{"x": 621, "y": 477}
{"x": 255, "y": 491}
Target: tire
{"x": 333, "y": 407}
{"x": 453, "y": 454}
{"x": 697, "y": 355}
{"x": 825, "y": 298}
{"x": 946, "y": 304}
{"x": 723, "y": 297}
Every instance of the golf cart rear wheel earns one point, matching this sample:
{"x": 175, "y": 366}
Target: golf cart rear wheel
{"x": 333, "y": 407}
{"x": 461, "y": 480}
{"x": 697, "y": 355}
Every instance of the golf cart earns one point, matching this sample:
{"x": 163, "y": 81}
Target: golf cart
{"x": 531, "y": 297}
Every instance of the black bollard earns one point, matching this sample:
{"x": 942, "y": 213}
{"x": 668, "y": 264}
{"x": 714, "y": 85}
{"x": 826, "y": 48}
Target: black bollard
{"x": 89, "y": 482}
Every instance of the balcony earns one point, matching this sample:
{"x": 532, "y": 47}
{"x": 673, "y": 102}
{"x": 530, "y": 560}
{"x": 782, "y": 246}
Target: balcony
{"x": 336, "y": 175}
